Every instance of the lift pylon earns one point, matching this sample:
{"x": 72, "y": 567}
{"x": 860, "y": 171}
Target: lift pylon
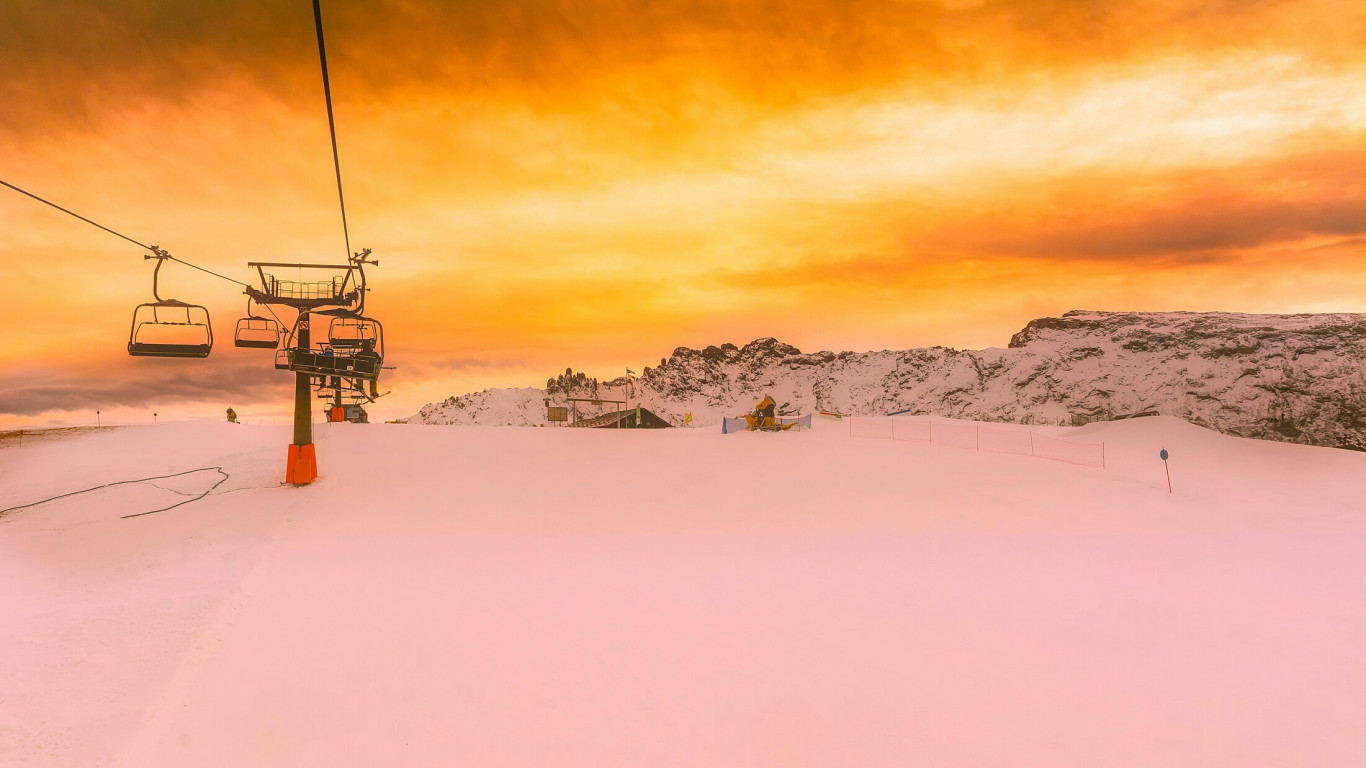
{"x": 339, "y": 298}
{"x": 301, "y": 466}
{"x": 178, "y": 329}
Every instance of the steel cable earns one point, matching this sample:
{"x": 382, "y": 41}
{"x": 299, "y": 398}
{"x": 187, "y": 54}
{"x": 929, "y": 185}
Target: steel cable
{"x": 144, "y": 246}
{"x": 331, "y": 122}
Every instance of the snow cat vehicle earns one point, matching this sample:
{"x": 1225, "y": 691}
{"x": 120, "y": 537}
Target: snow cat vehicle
{"x": 763, "y": 418}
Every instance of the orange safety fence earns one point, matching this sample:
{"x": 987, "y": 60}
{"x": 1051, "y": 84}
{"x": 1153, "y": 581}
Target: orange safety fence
{"x": 1085, "y": 454}
{"x": 923, "y": 429}
{"x": 1005, "y": 441}
{"x": 911, "y": 430}
{"x": 880, "y": 428}
{"x": 954, "y": 435}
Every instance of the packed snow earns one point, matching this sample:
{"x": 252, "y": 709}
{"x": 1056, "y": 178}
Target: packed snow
{"x": 531, "y": 597}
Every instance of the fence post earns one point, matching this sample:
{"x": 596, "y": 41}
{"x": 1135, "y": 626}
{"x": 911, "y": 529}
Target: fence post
{"x": 1031, "y": 442}
{"x": 977, "y": 439}
{"x": 1102, "y": 455}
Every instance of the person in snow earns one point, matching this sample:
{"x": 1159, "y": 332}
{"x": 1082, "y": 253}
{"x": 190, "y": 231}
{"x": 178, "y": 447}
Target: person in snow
{"x": 232, "y": 416}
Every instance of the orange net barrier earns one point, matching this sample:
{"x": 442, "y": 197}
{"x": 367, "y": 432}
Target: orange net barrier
{"x": 879, "y": 426}
{"x": 1005, "y": 441}
{"x": 923, "y": 429}
{"x": 1085, "y": 454}
{"x": 954, "y": 435}
{"x": 912, "y": 430}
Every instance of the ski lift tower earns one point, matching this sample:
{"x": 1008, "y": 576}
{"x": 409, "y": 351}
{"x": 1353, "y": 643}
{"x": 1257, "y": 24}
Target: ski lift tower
{"x": 340, "y": 291}
{"x": 349, "y": 360}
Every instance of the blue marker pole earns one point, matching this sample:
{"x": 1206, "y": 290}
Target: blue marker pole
{"x": 1164, "y": 456}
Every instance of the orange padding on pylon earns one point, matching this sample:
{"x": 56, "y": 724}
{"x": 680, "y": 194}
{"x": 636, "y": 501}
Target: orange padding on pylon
{"x": 302, "y": 467}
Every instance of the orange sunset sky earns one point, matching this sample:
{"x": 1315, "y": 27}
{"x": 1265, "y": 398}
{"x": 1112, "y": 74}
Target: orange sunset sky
{"x": 591, "y": 184}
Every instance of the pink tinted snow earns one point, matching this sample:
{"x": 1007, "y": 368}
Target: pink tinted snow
{"x": 503, "y": 596}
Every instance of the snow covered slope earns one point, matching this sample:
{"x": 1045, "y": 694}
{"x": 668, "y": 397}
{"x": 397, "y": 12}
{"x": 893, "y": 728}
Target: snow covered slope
{"x": 1296, "y": 378}
{"x": 517, "y": 407}
{"x": 621, "y": 598}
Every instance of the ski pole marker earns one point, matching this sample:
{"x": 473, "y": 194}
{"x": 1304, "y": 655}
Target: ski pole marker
{"x": 1163, "y": 453}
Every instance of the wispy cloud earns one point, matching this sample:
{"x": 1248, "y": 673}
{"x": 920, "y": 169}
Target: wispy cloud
{"x": 549, "y": 182}
{"x": 31, "y": 390}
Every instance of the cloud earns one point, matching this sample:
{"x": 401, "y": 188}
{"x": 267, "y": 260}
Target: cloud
{"x": 1190, "y": 215}
{"x": 1200, "y": 229}
{"x": 419, "y": 365}
{"x": 1123, "y": 222}
{"x": 661, "y": 64}
{"x": 549, "y": 181}
{"x": 31, "y": 390}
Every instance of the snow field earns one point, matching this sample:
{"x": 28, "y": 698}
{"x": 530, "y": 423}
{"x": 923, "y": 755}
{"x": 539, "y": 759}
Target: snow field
{"x": 506, "y": 596}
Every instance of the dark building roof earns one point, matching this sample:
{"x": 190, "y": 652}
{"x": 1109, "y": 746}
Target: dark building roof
{"x": 623, "y": 419}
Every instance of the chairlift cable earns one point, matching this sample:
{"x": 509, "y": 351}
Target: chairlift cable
{"x": 331, "y": 122}
{"x": 157, "y": 251}
{"x": 278, "y": 321}
{"x": 209, "y": 271}
{"x": 82, "y": 218}
{"x": 153, "y": 249}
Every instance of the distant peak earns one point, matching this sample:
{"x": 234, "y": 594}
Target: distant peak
{"x": 764, "y": 347}
{"x": 769, "y": 346}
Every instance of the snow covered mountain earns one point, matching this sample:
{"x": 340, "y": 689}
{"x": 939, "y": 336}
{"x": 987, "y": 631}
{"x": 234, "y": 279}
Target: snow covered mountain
{"x": 1297, "y": 378}
{"x": 517, "y": 407}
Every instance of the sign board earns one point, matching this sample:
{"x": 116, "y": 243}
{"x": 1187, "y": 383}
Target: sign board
{"x": 557, "y": 413}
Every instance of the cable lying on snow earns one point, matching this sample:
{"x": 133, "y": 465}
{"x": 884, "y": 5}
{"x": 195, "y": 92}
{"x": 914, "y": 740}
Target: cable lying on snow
{"x": 219, "y": 470}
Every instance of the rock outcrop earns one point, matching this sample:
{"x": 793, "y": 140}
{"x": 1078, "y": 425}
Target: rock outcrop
{"x": 1298, "y": 378}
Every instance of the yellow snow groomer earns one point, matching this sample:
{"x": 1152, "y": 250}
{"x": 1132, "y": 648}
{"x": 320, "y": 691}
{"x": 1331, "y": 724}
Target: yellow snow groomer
{"x": 763, "y": 419}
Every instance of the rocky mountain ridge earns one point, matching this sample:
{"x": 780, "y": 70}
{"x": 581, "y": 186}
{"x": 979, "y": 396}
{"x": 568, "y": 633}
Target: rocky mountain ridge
{"x": 1298, "y": 378}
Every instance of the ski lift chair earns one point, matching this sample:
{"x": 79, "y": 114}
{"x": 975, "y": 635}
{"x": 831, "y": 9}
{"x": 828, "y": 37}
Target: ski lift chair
{"x": 154, "y": 335}
{"x": 351, "y": 332}
{"x": 256, "y": 332}
{"x": 188, "y": 332}
{"x": 327, "y": 362}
